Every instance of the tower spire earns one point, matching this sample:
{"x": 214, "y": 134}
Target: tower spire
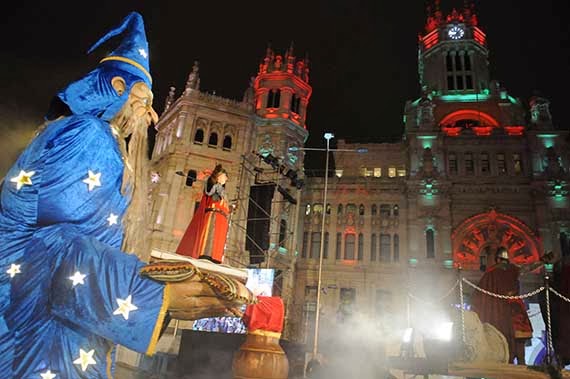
{"x": 290, "y": 58}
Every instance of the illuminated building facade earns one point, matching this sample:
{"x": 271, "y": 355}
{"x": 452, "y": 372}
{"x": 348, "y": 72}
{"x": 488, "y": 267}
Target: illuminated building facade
{"x": 475, "y": 170}
{"x": 252, "y": 139}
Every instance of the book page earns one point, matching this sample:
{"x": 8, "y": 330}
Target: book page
{"x": 203, "y": 264}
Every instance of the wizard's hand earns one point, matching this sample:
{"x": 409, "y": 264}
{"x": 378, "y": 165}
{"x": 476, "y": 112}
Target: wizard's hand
{"x": 195, "y": 294}
{"x": 193, "y": 299}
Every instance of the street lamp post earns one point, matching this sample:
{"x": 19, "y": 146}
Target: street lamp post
{"x": 328, "y": 137}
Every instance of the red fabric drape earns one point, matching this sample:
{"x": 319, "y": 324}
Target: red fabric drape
{"x": 267, "y": 314}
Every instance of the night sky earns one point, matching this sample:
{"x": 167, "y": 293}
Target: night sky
{"x": 363, "y": 54}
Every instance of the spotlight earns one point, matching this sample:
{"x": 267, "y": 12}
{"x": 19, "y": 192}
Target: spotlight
{"x": 286, "y": 195}
{"x": 407, "y": 346}
{"x": 291, "y": 174}
{"x": 271, "y": 160}
{"x": 299, "y": 183}
{"x": 407, "y": 337}
{"x": 444, "y": 331}
{"x": 190, "y": 177}
{"x": 440, "y": 344}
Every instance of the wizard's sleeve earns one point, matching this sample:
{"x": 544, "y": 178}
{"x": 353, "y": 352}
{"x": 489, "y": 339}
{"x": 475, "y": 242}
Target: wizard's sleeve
{"x": 99, "y": 289}
{"x": 94, "y": 286}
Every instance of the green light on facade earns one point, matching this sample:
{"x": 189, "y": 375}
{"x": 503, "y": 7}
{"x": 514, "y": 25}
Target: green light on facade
{"x": 512, "y": 100}
{"x": 404, "y": 118}
{"x": 448, "y": 263}
{"x": 549, "y": 267}
{"x": 466, "y": 97}
{"x": 413, "y": 261}
{"x": 427, "y": 141}
{"x": 547, "y": 139}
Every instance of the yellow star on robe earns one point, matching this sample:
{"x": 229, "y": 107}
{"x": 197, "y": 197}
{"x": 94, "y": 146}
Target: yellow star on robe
{"x": 47, "y": 375}
{"x": 85, "y": 359}
{"x": 77, "y": 278}
{"x": 112, "y": 219}
{"x": 94, "y": 180}
{"x": 125, "y": 307}
{"x": 13, "y": 270}
{"x": 23, "y": 179}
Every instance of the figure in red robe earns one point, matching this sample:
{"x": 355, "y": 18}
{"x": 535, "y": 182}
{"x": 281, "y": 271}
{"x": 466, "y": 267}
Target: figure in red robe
{"x": 205, "y": 237}
{"x": 508, "y": 316}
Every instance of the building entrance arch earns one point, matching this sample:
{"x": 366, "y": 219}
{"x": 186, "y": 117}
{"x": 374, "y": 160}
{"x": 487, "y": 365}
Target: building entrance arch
{"x": 476, "y": 239}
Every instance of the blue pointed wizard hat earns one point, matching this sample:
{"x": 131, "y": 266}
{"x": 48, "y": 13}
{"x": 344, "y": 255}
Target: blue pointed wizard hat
{"x": 93, "y": 94}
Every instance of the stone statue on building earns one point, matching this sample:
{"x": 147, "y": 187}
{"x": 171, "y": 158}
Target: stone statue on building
{"x": 424, "y": 113}
{"x": 540, "y": 112}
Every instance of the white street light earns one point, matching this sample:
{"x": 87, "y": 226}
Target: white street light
{"x": 328, "y": 136}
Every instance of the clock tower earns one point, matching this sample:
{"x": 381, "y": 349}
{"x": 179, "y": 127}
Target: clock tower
{"x": 453, "y": 52}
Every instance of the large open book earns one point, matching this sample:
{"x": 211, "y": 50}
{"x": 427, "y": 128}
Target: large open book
{"x": 203, "y": 264}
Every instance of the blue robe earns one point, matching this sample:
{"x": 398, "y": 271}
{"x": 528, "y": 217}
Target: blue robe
{"x": 55, "y": 227}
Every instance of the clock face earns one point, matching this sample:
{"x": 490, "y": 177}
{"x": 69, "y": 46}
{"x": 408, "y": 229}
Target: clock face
{"x": 455, "y": 32}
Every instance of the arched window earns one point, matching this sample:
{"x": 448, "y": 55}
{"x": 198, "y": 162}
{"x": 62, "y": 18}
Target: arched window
{"x": 328, "y": 209}
{"x": 349, "y": 246}
{"x": 326, "y": 246}
{"x": 396, "y": 210}
{"x": 305, "y": 245}
{"x": 315, "y": 245}
{"x": 213, "y": 140}
{"x": 227, "y": 144}
{"x": 430, "y": 243}
{"x": 396, "y": 254}
{"x": 385, "y": 247}
{"x": 374, "y": 210}
{"x": 373, "y": 248}
{"x": 295, "y": 103}
{"x": 338, "y": 246}
{"x": 339, "y": 210}
{"x": 360, "y": 246}
{"x": 307, "y": 209}
{"x": 361, "y": 209}
{"x": 273, "y": 98}
{"x": 199, "y": 136}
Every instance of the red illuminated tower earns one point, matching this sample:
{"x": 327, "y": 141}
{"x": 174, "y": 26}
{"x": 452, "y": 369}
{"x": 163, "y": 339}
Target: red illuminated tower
{"x": 282, "y": 89}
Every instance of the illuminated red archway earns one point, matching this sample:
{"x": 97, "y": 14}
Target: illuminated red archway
{"x": 469, "y": 114}
{"x": 483, "y": 233}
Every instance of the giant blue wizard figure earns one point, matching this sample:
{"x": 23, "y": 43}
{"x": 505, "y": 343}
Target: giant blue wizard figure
{"x": 71, "y": 206}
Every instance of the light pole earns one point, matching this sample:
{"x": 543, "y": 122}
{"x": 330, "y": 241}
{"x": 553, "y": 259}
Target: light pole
{"x": 328, "y": 136}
